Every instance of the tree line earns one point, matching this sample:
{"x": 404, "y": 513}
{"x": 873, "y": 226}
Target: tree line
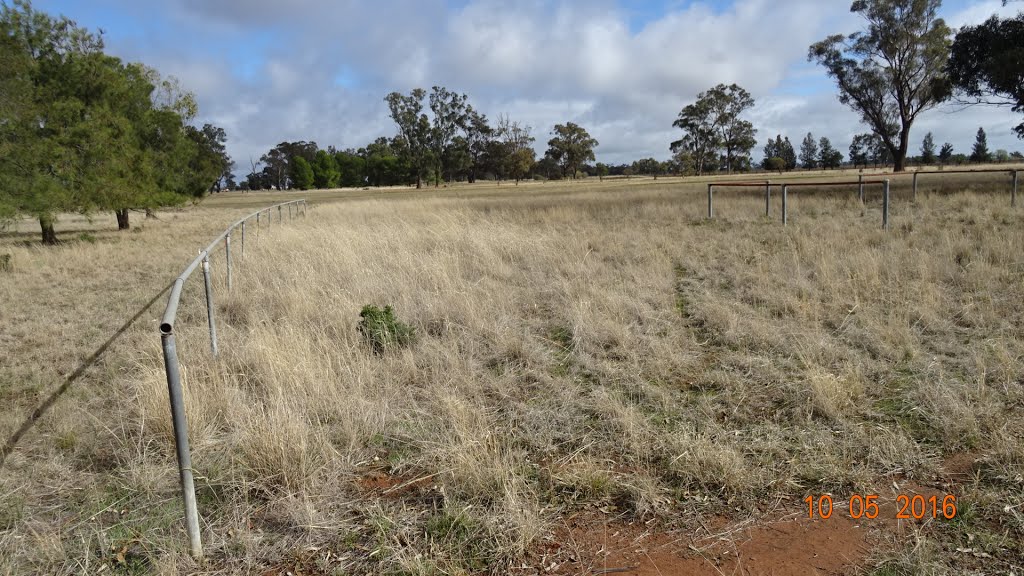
{"x": 83, "y": 131}
{"x": 905, "y": 61}
{"x": 453, "y": 142}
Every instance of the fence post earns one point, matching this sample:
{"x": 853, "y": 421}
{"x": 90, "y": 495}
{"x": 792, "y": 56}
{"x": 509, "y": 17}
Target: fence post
{"x": 1013, "y": 193}
{"x": 915, "y": 186}
{"x": 785, "y": 209}
{"x": 209, "y": 304}
{"x": 304, "y": 208}
{"x": 711, "y": 206}
{"x": 227, "y": 257}
{"x": 860, "y": 189}
{"x": 188, "y": 489}
{"x": 768, "y": 199}
{"x": 885, "y": 206}
{"x": 243, "y": 238}
{"x": 280, "y": 215}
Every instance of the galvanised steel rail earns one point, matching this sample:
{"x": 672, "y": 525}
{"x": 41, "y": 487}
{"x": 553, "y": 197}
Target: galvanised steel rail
{"x": 767, "y": 185}
{"x": 172, "y": 367}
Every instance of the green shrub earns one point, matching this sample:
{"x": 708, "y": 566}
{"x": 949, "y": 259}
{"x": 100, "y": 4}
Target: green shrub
{"x": 87, "y": 237}
{"x": 382, "y": 331}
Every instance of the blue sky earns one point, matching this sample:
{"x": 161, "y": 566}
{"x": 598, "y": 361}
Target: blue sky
{"x": 318, "y": 70}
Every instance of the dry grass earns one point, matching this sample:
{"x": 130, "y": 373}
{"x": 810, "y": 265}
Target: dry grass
{"x": 577, "y": 347}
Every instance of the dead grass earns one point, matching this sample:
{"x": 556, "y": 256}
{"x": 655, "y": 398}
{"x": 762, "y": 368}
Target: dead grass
{"x": 577, "y": 347}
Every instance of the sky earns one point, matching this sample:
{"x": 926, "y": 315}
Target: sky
{"x": 268, "y": 71}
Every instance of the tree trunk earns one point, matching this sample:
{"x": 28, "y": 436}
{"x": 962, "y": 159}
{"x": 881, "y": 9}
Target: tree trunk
{"x": 419, "y": 181}
{"x": 49, "y": 234}
{"x": 899, "y": 161}
{"x": 122, "y": 219}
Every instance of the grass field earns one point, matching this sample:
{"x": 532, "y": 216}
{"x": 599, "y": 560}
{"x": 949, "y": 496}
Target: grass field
{"x": 587, "y": 352}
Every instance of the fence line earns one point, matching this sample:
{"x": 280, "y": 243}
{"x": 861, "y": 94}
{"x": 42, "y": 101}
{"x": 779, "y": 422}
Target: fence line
{"x": 172, "y": 367}
{"x": 860, "y": 182}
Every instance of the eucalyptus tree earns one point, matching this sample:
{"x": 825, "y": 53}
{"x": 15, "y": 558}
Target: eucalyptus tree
{"x": 713, "y": 123}
{"x": 892, "y": 70}
{"x": 414, "y": 129}
{"x": 450, "y": 111}
{"x": 570, "y": 147}
{"x": 985, "y": 64}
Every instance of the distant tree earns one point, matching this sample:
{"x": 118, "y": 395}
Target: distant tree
{"x": 301, "y": 173}
{"x": 1016, "y": 156}
{"x": 713, "y": 123}
{"x": 325, "y": 170}
{"x": 602, "y": 170}
{"x": 648, "y": 166}
{"x": 384, "y": 164}
{"x": 775, "y": 164}
{"x": 809, "y": 152}
{"x": 1002, "y": 156}
{"x": 277, "y": 163}
{"x": 980, "y": 151}
{"x": 479, "y": 135}
{"x": 859, "y": 149}
{"x": 788, "y": 153}
{"x": 829, "y": 157}
{"x": 893, "y": 70}
{"x": 928, "y": 150}
{"x": 771, "y": 150}
{"x": 946, "y": 153}
{"x": 415, "y": 131}
{"x": 571, "y": 147}
{"x": 450, "y": 115}
{"x": 985, "y": 64}
{"x": 351, "y": 166}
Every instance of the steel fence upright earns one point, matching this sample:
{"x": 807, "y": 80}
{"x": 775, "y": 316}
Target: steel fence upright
{"x": 209, "y": 304}
{"x": 182, "y": 450}
{"x": 915, "y": 186}
{"x": 227, "y": 257}
{"x": 243, "y": 238}
{"x": 785, "y": 208}
{"x": 768, "y": 199}
{"x": 711, "y": 205}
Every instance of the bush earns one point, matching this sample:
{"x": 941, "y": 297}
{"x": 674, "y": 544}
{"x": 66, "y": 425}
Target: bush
{"x": 5, "y": 263}
{"x": 382, "y": 331}
{"x": 775, "y": 164}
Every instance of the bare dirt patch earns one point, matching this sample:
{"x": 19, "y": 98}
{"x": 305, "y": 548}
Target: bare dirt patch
{"x": 589, "y": 544}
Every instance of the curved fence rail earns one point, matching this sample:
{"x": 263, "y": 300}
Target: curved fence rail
{"x": 171, "y": 365}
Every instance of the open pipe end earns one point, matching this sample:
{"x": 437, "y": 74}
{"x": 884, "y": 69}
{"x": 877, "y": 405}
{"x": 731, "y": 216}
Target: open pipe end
{"x": 166, "y": 328}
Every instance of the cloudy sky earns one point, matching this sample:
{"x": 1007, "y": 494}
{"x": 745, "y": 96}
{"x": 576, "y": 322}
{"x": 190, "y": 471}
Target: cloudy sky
{"x": 274, "y": 70}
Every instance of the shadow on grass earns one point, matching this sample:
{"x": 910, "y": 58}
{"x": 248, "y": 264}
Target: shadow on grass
{"x": 45, "y": 406}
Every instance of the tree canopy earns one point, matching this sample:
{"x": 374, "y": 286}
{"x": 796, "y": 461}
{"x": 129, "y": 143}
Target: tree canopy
{"x": 892, "y": 70}
{"x": 986, "y": 64}
{"x": 82, "y": 131}
{"x": 713, "y": 124}
{"x": 570, "y": 147}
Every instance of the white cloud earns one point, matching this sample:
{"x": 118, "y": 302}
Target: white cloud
{"x": 538, "y": 61}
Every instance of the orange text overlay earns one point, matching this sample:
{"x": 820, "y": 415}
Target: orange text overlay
{"x": 916, "y": 507}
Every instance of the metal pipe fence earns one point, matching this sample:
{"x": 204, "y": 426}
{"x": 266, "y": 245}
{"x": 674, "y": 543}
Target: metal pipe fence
{"x": 172, "y": 366}
{"x": 860, "y": 182}
{"x": 767, "y": 185}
